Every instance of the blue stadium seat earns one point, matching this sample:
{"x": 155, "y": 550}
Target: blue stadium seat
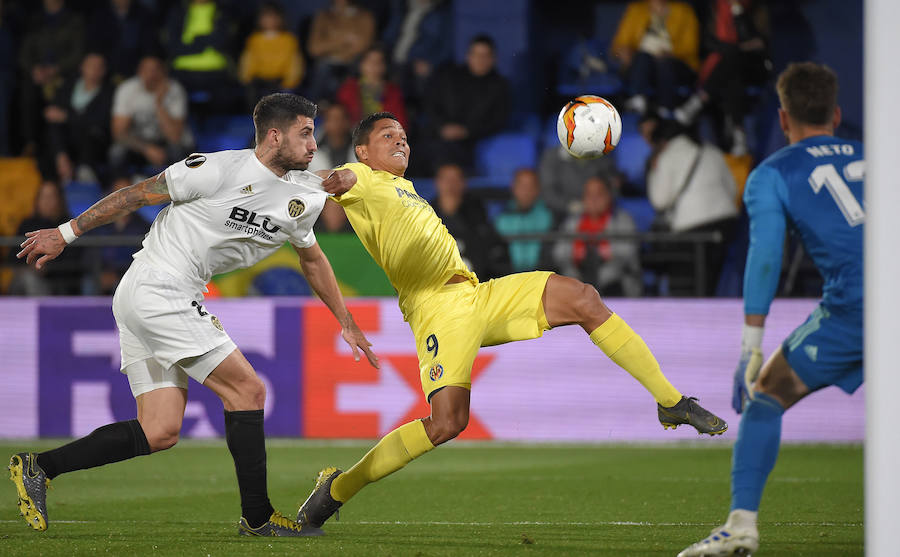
{"x": 573, "y": 82}
{"x": 149, "y": 212}
{"x": 281, "y": 281}
{"x": 424, "y": 187}
{"x": 499, "y": 157}
{"x": 640, "y": 210}
{"x": 220, "y": 133}
{"x": 631, "y": 156}
{"x": 549, "y": 137}
{"x": 606, "y": 19}
{"x": 81, "y": 195}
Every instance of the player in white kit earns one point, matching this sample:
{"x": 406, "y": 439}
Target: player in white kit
{"x": 228, "y": 210}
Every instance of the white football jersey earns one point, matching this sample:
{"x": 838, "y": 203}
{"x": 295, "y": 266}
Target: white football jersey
{"x": 229, "y": 211}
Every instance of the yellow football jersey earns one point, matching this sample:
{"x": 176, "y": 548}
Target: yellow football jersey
{"x": 403, "y": 234}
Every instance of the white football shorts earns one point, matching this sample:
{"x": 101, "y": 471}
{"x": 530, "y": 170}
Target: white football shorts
{"x": 165, "y": 333}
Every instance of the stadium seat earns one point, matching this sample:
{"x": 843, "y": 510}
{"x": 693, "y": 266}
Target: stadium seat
{"x": 424, "y": 187}
{"x": 606, "y": 19}
{"x": 281, "y": 281}
{"x": 19, "y": 182}
{"x": 499, "y": 157}
{"x": 631, "y": 156}
{"x": 81, "y": 195}
{"x": 640, "y": 210}
{"x": 220, "y": 133}
{"x": 149, "y": 212}
{"x": 572, "y": 79}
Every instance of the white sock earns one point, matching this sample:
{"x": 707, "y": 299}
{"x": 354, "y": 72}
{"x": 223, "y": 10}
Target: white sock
{"x": 742, "y": 519}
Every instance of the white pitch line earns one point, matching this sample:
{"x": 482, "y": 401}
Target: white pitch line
{"x": 598, "y": 523}
{"x": 450, "y": 523}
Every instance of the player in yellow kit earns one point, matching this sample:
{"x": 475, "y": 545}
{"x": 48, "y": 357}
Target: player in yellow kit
{"x": 452, "y": 315}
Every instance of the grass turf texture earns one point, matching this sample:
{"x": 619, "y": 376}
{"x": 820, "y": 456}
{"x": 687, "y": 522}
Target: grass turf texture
{"x": 467, "y": 499}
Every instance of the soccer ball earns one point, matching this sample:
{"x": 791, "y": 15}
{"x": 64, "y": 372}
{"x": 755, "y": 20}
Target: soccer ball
{"x": 589, "y": 127}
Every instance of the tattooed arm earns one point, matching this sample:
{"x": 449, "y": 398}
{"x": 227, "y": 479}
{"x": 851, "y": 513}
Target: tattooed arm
{"x": 45, "y": 245}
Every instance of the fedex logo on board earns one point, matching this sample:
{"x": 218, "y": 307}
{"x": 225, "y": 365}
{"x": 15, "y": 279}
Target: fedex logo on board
{"x": 349, "y": 399}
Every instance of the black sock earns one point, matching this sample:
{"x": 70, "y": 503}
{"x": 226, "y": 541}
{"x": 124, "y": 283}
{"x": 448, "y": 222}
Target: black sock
{"x": 110, "y": 443}
{"x": 247, "y": 442}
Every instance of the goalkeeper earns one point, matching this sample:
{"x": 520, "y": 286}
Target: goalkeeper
{"x": 816, "y": 185}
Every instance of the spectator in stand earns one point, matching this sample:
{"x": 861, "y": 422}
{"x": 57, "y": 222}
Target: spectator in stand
{"x": 63, "y": 278}
{"x": 465, "y": 217}
{"x": 122, "y": 31}
{"x": 657, "y": 43}
{"x": 199, "y": 40}
{"x": 50, "y": 52}
{"x": 465, "y": 104}
{"x": 422, "y": 46}
{"x": 7, "y": 79}
{"x": 271, "y": 61}
{"x": 563, "y": 177}
{"x": 525, "y": 214}
{"x": 337, "y": 36}
{"x": 612, "y": 266}
{"x": 114, "y": 260}
{"x": 692, "y": 189}
{"x": 370, "y": 92}
{"x": 735, "y": 37}
{"x": 149, "y": 118}
{"x": 335, "y": 145}
{"x": 78, "y": 123}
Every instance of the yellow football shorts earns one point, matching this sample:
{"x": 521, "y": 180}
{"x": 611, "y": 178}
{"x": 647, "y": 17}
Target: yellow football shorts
{"x": 453, "y": 324}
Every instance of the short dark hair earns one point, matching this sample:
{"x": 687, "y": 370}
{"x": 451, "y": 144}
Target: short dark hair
{"x": 280, "y": 110}
{"x": 808, "y": 92}
{"x": 362, "y": 130}
{"x": 485, "y": 40}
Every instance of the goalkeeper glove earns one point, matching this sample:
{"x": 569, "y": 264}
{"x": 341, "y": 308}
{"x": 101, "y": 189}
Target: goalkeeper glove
{"x": 746, "y": 373}
{"x": 748, "y": 368}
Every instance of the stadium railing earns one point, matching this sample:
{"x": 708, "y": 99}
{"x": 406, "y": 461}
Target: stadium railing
{"x": 695, "y": 256}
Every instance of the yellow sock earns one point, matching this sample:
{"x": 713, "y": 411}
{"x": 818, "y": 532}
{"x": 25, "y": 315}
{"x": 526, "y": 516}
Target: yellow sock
{"x": 397, "y": 449}
{"x": 628, "y": 350}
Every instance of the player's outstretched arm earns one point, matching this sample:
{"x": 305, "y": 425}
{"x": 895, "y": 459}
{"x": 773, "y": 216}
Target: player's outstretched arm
{"x": 41, "y": 246}
{"x": 337, "y": 182}
{"x": 320, "y": 277}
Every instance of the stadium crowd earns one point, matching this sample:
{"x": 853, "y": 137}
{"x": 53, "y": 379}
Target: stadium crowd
{"x": 105, "y": 92}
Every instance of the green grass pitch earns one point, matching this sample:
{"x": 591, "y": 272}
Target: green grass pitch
{"x": 464, "y": 499}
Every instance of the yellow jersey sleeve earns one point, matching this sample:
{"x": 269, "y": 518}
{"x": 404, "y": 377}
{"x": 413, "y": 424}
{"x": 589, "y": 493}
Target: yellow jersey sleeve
{"x": 402, "y": 233}
{"x": 363, "y": 179}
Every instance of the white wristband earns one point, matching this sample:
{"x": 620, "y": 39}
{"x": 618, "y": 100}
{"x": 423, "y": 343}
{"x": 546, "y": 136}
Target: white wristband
{"x": 67, "y": 233}
{"x": 751, "y": 337}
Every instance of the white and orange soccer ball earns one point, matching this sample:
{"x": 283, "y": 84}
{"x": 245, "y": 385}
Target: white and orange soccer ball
{"x": 589, "y": 127}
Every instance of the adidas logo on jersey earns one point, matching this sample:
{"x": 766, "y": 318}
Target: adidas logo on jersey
{"x": 812, "y": 351}
{"x": 248, "y": 189}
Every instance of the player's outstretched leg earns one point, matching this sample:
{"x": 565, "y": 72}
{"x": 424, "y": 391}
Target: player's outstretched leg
{"x": 449, "y": 417}
{"x": 31, "y": 473}
{"x": 321, "y": 504}
{"x": 569, "y": 301}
